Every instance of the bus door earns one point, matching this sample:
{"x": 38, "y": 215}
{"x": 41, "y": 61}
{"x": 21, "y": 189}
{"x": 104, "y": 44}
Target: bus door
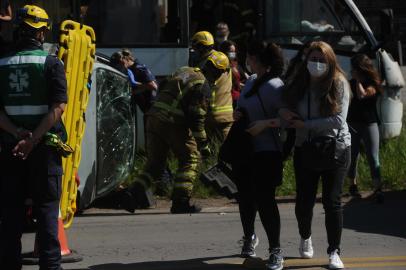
{"x": 292, "y": 23}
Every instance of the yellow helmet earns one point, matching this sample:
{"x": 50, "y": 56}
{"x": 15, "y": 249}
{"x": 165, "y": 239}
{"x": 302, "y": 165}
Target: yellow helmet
{"x": 204, "y": 38}
{"x": 219, "y": 60}
{"x": 34, "y": 16}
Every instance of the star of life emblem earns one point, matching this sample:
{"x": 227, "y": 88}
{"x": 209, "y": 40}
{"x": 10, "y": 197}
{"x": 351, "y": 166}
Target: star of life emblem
{"x": 19, "y": 80}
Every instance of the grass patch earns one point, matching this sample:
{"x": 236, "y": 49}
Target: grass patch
{"x": 393, "y": 164}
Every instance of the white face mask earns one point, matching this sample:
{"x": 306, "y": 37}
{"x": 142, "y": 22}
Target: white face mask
{"x": 316, "y": 69}
{"x": 232, "y": 55}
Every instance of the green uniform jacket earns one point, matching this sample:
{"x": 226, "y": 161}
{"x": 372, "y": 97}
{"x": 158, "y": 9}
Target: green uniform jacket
{"x": 24, "y": 94}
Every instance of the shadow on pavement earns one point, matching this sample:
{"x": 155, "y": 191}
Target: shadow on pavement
{"x": 216, "y": 263}
{"x": 193, "y": 264}
{"x": 367, "y": 216}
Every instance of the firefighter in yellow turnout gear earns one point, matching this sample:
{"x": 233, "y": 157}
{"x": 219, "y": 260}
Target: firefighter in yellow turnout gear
{"x": 220, "y": 114}
{"x": 176, "y": 122}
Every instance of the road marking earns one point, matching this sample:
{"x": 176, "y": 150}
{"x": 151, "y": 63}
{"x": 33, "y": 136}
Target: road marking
{"x": 375, "y": 264}
{"x": 318, "y": 263}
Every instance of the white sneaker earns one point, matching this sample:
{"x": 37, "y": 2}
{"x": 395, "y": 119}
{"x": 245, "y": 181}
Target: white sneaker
{"x": 335, "y": 261}
{"x": 306, "y": 248}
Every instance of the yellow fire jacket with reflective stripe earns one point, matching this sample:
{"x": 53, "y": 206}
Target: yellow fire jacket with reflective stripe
{"x": 221, "y": 104}
{"x": 183, "y": 100}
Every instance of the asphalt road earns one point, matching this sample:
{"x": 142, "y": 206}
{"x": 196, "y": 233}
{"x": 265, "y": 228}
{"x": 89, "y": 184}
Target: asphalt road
{"x": 374, "y": 237}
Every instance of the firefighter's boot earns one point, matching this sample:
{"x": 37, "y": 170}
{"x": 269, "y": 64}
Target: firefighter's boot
{"x": 183, "y": 206}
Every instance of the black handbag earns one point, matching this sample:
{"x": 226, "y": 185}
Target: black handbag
{"x": 322, "y": 152}
{"x": 238, "y": 146}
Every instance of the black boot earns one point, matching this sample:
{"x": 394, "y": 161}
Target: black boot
{"x": 182, "y": 206}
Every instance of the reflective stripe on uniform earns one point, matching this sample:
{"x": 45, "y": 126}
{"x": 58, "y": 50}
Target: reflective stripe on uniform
{"x": 168, "y": 108}
{"x": 199, "y": 134}
{"x": 183, "y": 185}
{"x": 26, "y": 110}
{"x": 218, "y": 109}
{"x": 22, "y": 59}
{"x": 198, "y": 111}
{"x": 186, "y": 175}
{"x": 194, "y": 158}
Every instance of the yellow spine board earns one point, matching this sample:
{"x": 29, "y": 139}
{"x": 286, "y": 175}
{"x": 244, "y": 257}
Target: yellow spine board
{"x": 77, "y": 51}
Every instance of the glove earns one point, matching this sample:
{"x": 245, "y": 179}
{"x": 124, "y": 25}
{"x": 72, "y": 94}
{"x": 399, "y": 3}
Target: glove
{"x": 205, "y": 151}
{"x": 55, "y": 141}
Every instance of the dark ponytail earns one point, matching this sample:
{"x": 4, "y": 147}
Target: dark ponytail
{"x": 269, "y": 55}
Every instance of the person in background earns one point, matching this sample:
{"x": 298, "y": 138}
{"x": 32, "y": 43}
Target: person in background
{"x": 363, "y": 120}
{"x": 239, "y": 76}
{"x": 32, "y": 100}
{"x": 220, "y": 115}
{"x": 202, "y": 45}
{"x": 146, "y": 87}
{"x": 118, "y": 62}
{"x": 318, "y": 101}
{"x": 6, "y": 16}
{"x": 144, "y": 92}
{"x": 221, "y": 34}
{"x": 176, "y": 123}
{"x": 257, "y": 176}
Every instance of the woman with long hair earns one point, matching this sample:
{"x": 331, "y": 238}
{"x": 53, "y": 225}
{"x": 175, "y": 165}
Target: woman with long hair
{"x": 363, "y": 120}
{"x": 318, "y": 99}
{"x": 258, "y": 175}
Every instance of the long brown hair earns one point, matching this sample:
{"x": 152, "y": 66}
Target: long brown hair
{"x": 364, "y": 67}
{"x": 329, "y": 84}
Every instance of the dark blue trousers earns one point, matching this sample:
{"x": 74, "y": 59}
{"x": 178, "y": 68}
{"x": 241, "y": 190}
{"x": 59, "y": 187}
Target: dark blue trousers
{"x": 38, "y": 178}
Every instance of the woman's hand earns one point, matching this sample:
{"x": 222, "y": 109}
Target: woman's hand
{"x": 258, "y": 126}
{"x": 359, "y": 89}
{"x": 287, "y": 114}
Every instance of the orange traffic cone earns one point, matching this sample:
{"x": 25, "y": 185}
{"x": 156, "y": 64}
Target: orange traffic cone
{"x": 68, "y": 255}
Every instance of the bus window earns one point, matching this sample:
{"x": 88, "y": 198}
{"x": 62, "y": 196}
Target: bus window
{"x": 132, "y": 23}
{"x": 290, "y": 22}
